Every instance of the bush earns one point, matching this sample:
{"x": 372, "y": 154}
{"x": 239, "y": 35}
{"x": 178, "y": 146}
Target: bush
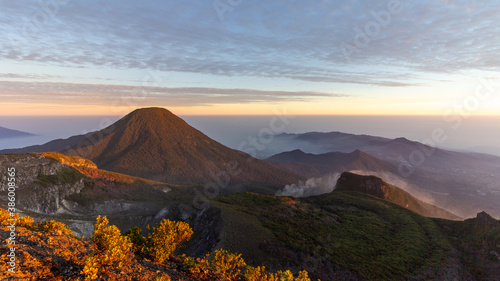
{"x": 222, "y": 264}
{"x": 5, "y": 217}
{"x": 225, "y": 264}
{"x": 135, "y": 236}
{"x": 112, "y": 249}
{"x": 260, "y": 274}
{"x": 53, "y": 226}
{"x": 165, "y": 238}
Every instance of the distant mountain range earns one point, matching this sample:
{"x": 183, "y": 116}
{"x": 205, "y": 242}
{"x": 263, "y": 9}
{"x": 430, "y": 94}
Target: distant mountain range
{"x": 6, "y": 133}
{"x": 463, "y": 183}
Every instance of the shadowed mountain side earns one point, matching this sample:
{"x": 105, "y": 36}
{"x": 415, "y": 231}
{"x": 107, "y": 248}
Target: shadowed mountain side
{"x": 314, "y": 165}
{"x": 377, "y": 187}
{"x": 155, "y": 144}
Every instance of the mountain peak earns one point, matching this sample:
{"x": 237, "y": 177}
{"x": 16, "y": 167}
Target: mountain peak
{"x": 485, "y": 218}
{"x": 151, "y": 112}
{"x": 155, "y": 144}
{"x": 155, "y": 115}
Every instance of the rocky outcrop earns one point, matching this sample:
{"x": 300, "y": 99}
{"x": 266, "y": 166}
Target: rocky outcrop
{"x": 209, "y": 225}
{"x": 43, "y": 184}
{"x": 55, "y": 186}
{"x": 377, "y": 187}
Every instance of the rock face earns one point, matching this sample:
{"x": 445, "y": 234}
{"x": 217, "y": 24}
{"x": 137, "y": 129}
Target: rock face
{"x": 377, "y": 187}
{"x": 43, "y": 184}
{"x": 51, "y": 185}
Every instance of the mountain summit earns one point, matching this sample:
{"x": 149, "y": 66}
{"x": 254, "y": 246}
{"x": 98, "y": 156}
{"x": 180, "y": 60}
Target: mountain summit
{"x": 154, "y": 143}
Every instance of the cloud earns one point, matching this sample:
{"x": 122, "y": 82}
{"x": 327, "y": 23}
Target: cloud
{"x": 299, "y": 40}
{"x": 67, "y": 93}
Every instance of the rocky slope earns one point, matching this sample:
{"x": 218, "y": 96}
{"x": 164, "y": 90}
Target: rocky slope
{"x": 73, "y": 189}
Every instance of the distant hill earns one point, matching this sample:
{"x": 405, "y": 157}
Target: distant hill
{"x": 6, "y": 133}
{"x": 377, "y": 187}
{"x": 155, "y": 144}
{"x": 315, "y": 165}
{"x": 51, "y": 146}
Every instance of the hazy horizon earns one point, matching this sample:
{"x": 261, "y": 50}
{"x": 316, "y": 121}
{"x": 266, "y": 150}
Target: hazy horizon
{"x": 475, "y": 134}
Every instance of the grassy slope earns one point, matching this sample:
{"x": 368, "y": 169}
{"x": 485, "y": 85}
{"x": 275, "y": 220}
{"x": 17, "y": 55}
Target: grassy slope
{"x": 478, "y": 240}
{"x": 374, "y": 239}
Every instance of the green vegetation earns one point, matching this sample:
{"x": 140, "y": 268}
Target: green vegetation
{"x": 376, "y": 239}
{"x": 478, "y": 240}
{"x": 135, "y": 236}
{"x": 66, "y": 175}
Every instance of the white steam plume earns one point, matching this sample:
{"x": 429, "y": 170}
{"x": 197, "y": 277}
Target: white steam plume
{"x": 311, "y": 187}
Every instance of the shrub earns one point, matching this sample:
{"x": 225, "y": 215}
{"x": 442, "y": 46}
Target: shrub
{"x": 53, "y": 226}
{"x": 165, "y": 238}
{"x": 135, "y": 236}
{"x": 112, "y": 249}
{"x": 303, "y": 276}
{"x": 5, "y": 217}
{"x": 260, "y": 274}
{"x": 225, "y": 264}
{"x": 197, "y": 265}
{"x": 222, "y": 264}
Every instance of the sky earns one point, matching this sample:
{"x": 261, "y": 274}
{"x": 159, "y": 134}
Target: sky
{"x": 218, "y": 57}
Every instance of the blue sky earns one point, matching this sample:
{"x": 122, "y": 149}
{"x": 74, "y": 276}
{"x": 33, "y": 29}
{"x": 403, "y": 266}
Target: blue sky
{"x": 249, "y": 56}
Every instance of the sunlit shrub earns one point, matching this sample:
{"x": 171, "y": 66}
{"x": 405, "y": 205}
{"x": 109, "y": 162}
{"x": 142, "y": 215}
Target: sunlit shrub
{"x": 225, "y": 264}
{"x": 112, "y": 249}
{"x": 222, "y": 264}
{"x": 165, "y": 238}
{"x": 53, "y": 226}
{"x": 7, "y": 219}
{"x": 260, "y": 274}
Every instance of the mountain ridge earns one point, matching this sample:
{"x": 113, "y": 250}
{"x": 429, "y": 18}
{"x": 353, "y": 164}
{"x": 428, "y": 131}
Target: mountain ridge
{"x": 377, "y": 187}
{"x": 315, "y": 165}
